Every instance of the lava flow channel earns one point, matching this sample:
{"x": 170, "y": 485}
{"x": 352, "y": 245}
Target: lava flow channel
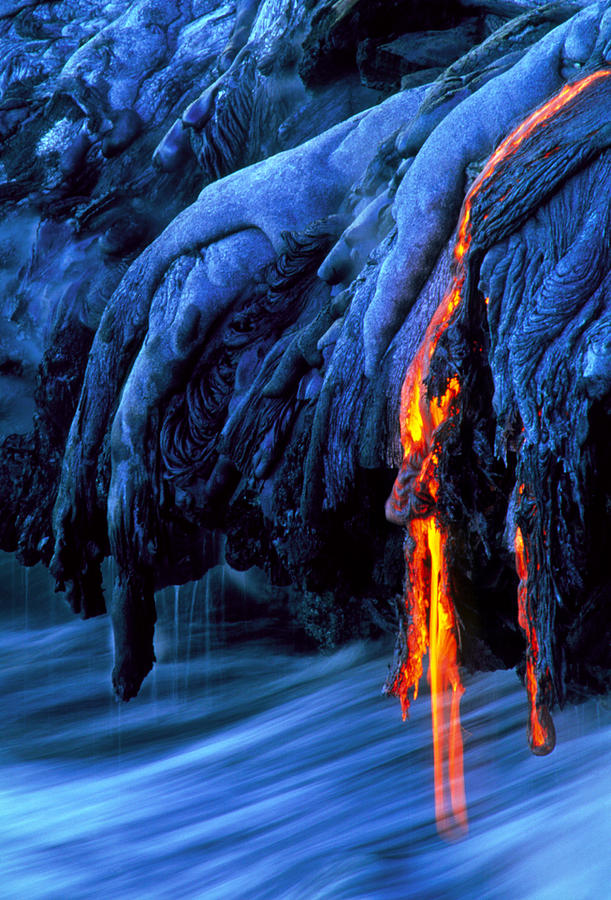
{"x": 414, "y": 499}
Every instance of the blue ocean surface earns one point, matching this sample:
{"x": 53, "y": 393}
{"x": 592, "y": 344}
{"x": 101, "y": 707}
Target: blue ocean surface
{"x": 244, "y": 770}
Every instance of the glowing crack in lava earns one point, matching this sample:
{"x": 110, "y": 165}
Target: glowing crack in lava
{"x": 431, "y": 619}
{"x": 541, "y": 732}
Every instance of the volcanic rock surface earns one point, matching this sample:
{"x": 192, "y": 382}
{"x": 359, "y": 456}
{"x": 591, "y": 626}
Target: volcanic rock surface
{"x": 226, "y": 227}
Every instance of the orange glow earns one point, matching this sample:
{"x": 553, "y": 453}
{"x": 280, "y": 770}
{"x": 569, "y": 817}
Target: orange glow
{"x": 541, "y": 735}
{"x": 432, "y": 626}
{"x": 417, "y": 629}
{"x": 427, "y": 588}
{"x": 427, "y": 581}
{"x": 446, "y": 691}
{"x": 511, "y": 143}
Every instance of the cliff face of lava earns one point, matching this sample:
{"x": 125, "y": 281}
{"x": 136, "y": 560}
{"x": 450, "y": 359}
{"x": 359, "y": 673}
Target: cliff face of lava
{"x": 241, "y": 242}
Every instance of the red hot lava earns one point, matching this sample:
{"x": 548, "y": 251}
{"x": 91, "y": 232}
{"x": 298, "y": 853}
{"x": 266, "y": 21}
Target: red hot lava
{"x": 541, "y": 732}
{"x": 430, "y": 611}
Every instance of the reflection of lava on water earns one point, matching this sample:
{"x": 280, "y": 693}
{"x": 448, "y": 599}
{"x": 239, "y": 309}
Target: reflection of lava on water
{"x": 414, "y": 502}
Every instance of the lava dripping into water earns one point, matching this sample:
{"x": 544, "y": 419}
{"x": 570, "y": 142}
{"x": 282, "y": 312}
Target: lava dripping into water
{"x": 414, "y": 498}
{"x": 541, "y": 733}
{"x": 446, "y": 690}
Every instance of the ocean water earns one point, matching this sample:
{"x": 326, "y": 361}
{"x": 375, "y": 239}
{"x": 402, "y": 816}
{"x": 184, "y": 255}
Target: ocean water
{"x": 244, "y": 770}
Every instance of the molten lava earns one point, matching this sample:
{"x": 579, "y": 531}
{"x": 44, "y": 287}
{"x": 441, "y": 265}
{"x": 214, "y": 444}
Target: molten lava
{"x": 446, "y": 691}
{"x": 414, "y": 498}
{"x": 427, "y": 578}
{"x": 541, "y": 734}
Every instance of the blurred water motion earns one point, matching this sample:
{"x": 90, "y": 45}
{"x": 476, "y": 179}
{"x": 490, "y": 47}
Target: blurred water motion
{"x": 243, "y": 771}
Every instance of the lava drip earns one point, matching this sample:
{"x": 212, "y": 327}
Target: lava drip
{"x": 415, "y": 495}
{"x": 446, "y": 689}
{"x": 414, "y": 498}
{"x": 413, "y": 503}
{"x": 541, "y": 731}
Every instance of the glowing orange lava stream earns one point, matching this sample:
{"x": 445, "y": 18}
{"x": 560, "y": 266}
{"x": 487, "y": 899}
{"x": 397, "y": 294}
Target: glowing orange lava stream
{"x": 427, "y": 581}
{"x": 541, "y": 734}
